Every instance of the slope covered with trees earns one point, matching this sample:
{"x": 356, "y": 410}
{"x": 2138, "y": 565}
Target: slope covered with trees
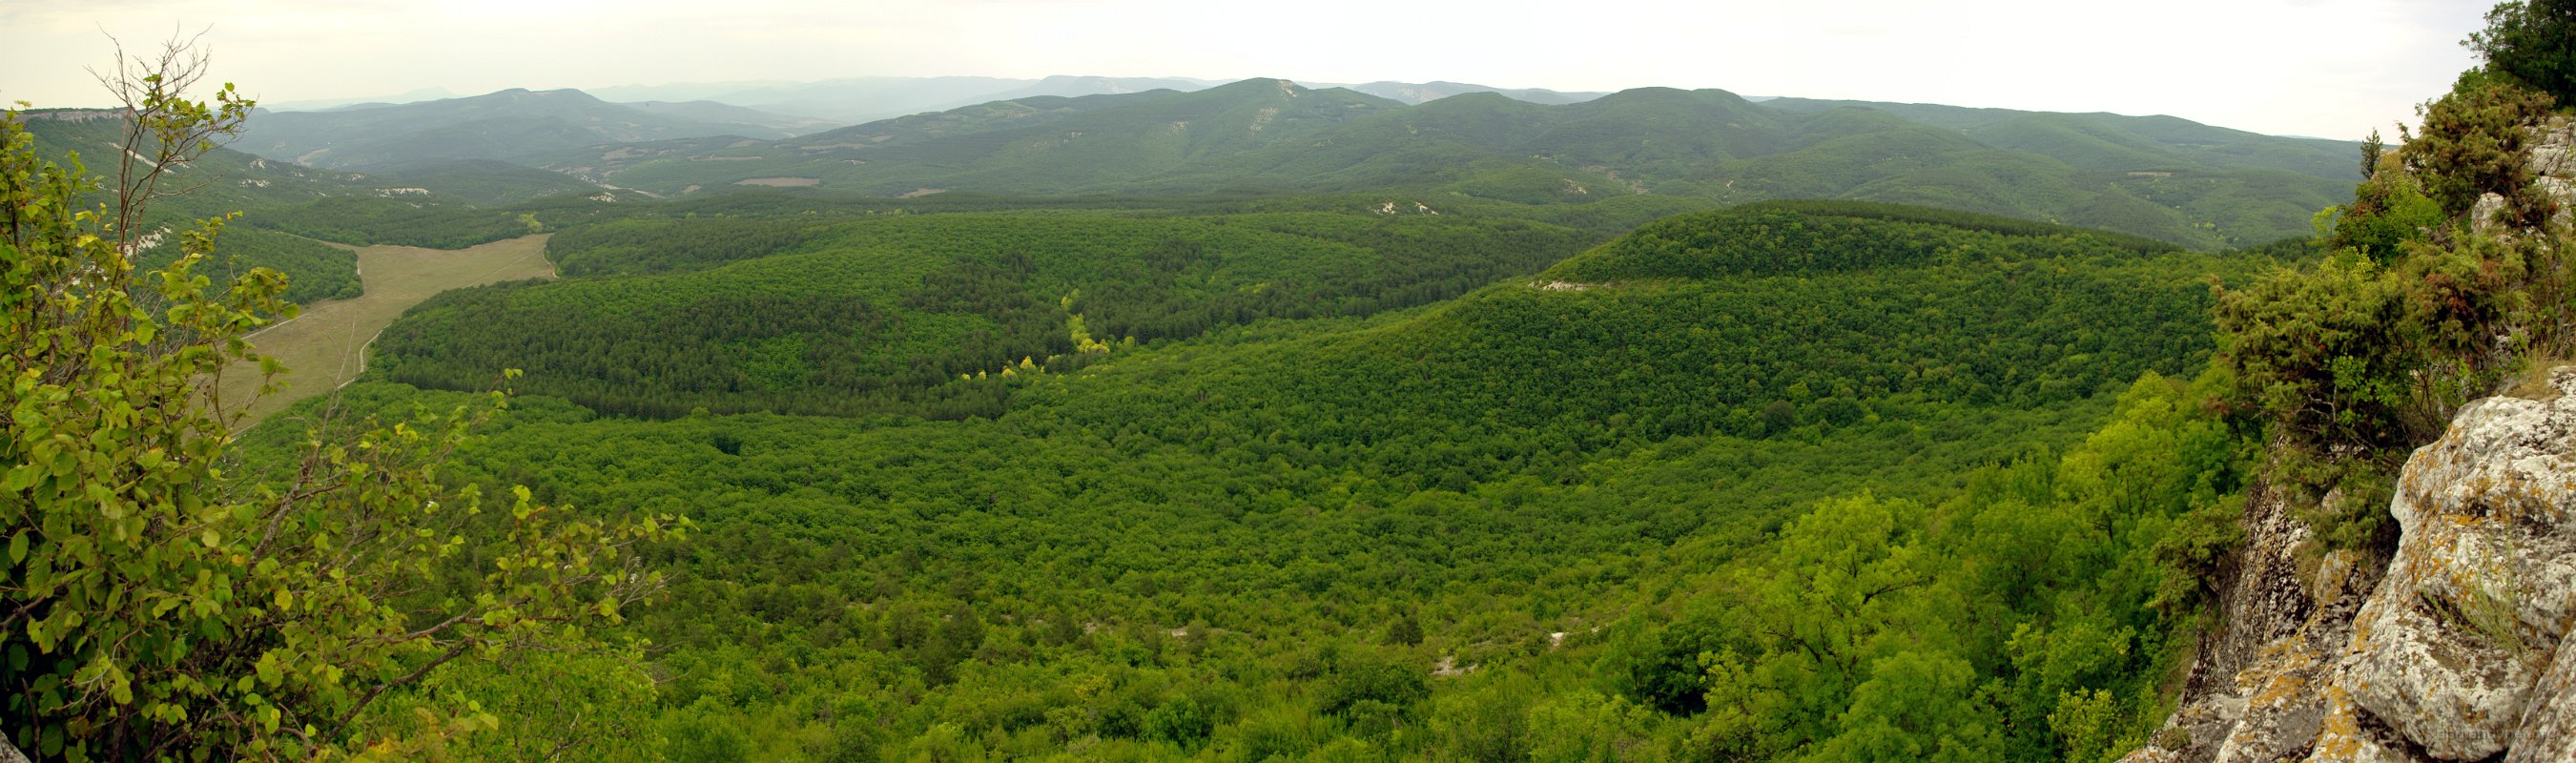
{"x": 889, "y": 314}
{"x": 1808, "y": 481}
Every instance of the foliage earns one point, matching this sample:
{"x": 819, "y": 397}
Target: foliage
{"x": 2472, "y": 144}
{"x": 2386, "y": 210}
{"x": 1882, "y": 628}
{"x": 2351, "y": 362}
{"x": 160, "y": 605}
{"x": 2534, "y": 43}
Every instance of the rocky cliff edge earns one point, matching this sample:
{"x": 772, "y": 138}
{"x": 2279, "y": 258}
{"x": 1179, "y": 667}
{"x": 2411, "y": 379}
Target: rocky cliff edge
{"x": 2458, "y": 650}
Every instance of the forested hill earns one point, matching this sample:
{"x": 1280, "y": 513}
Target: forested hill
{"x": 2160, "y": 177}
{"x": 886, "y": 313}
{"x": 1390, "y": 525}
{"x": 2111, "y": 141}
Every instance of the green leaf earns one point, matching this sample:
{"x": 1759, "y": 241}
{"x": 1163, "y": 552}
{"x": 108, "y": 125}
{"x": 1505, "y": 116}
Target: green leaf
{"x": 18, "y": 547}
{"x": 22, "y": 477}
{"x": 268, "y": 671}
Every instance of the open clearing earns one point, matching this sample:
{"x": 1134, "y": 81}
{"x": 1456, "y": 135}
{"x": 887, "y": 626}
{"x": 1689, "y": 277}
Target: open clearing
{"x": 325, "y": 347}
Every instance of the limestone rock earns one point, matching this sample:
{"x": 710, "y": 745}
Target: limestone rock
{"x": 2552, "y": 160}
{"x": 2553, "y": 165}
{"x": 2460, "y": 650}
{"x": 2253, "y": 692}
{"x": 2449, "y": 649}
{"x": 2352, "y": 736}
{"x": 2547, "y": 732}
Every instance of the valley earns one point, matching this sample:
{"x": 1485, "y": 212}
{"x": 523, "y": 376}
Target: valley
{"x": 325, "y": 347}
{"x": 1229, "y": 502}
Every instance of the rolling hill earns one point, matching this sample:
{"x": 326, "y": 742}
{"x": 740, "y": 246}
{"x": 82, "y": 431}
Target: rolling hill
{"x": 506, "y": 125}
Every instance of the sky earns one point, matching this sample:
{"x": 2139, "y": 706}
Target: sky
{"x": 2323, "y": 68}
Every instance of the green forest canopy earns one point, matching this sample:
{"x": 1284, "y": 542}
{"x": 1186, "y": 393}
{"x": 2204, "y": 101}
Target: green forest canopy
{"x": 1503, "y": 524}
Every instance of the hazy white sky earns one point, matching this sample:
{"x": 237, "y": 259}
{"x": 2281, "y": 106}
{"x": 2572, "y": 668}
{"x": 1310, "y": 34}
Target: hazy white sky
{"x": 2328, "y": 68}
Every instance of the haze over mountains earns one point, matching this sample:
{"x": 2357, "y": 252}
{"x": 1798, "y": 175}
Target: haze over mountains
{"x": 852, "y": 100}
{"x": 507, "y": 125}
{"x": 2161, "y": 177}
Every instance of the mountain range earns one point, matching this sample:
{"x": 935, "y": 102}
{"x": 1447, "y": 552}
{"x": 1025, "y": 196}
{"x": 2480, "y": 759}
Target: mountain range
{"x": 2162, "y": 177}
{"x": 2158, "y": 176}
{"x": 866, "y": 99}
{"x": 508, "y": 125}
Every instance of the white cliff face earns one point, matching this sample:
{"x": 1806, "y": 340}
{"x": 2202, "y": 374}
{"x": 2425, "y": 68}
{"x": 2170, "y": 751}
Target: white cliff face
{"x": 2459, "y": 652}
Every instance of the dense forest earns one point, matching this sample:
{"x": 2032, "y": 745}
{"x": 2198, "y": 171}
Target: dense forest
{"x": 1525, "y": 521}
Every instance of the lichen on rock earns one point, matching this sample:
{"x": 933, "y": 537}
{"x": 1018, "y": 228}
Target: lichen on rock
{"x": 2460, "y": 651}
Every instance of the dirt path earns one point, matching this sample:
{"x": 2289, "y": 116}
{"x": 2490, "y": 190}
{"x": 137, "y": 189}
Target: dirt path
{"x": 325, "y": 347}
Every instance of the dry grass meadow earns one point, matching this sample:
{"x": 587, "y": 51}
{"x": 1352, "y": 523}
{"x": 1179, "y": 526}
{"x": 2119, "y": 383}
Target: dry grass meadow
{"x": 325, "y": 347}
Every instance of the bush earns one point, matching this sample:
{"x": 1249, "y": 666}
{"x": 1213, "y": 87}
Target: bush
{"x": 2472, "y": 144}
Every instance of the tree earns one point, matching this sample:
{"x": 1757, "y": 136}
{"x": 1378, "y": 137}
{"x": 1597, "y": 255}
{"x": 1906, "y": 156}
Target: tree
{"x": 1405, "y": 631}
{"x": 161, "y": 601}
{"x": 1916, "y": 706}
{"x": 2371, "y": 149}
{"x": 2533, "y": 42}
{"x": 164, "y": 130}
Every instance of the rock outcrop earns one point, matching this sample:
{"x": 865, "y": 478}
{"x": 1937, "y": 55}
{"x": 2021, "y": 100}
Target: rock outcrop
{"x": 2459, "y": 651}
{"x": 2553, "y": 165}
{"x": 2551, "y": 149}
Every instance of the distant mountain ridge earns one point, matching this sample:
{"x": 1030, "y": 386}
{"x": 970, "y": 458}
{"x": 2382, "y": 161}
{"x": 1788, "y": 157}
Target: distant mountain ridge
{"x": 866, "y": 99}
{"x": 2161, "y": 177}
{"x": 229, "y": 179}
{"x": 1418, "y": 93}
{"x": 327, "y": 104}
{"x": 2007, "y": 128}
{"x": 510, "y": 125}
